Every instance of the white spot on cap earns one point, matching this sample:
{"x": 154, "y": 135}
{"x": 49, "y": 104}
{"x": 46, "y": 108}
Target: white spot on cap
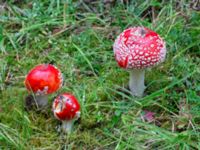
{"x": 143, "y": 62}
{"x": 78, "y": 114}
{"x": 142, "y": 57}
{"x": 133, "y": 54}
{"x": 141, "y": 53}
{"x": 152, "y": 45}
{"x": 136, "y": 57}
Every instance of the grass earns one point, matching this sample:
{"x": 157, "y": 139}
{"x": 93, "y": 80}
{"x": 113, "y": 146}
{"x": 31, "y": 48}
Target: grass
{"x": 77, "y": 37}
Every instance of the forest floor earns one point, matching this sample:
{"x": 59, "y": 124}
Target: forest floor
{"x": 77, "y": 37}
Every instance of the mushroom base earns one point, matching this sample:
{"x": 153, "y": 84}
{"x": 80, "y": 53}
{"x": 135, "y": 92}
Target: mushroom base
{"x": 41, "y": 100}
{"x": 67, "y": 125}
{"x": 136, "y": 82}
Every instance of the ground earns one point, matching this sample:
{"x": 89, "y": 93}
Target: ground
{"x": 77, "y": 37}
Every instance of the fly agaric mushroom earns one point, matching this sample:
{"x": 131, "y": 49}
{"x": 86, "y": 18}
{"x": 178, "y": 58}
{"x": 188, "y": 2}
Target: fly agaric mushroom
{"x": 136, "y": 49}
{"x": 42, "y": 80}
{"x": 67, "y": 109}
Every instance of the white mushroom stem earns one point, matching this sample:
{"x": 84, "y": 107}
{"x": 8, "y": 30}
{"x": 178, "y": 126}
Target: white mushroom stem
{"x": 67, "y": 125}
{"x": 41, "y": 100}
{"x": 136, "y": 82}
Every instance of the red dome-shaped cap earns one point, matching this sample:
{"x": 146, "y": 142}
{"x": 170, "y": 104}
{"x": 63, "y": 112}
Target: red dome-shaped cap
{"x": 66, "y": 107}
{"x": 44, "y": 79}
{"x": 139, "y": 48}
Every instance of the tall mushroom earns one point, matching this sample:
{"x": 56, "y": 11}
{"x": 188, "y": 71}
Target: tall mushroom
{"x": 136, "y": 49}
{"x": 42, "y": 80}
{"x": 67, "y": 109}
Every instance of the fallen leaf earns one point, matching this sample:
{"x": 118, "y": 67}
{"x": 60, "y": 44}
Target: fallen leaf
{"x": 149, "y": 116}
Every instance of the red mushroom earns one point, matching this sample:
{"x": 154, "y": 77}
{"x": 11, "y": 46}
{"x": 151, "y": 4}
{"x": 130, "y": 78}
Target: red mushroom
{"x": 42, "y": 80}
{"x": 136, "y": 49}
{"x": 67, "y": 109}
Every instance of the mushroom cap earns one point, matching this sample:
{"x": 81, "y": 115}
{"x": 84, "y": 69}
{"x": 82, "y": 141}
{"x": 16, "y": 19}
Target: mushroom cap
{"x": 139, "y": 48}
{"x": 66, "y": 107}
{"x": 43, "y": 79}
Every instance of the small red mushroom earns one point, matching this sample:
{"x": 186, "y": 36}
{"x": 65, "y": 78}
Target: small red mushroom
{"x": 42, "y": 80}
{"x": 136, "y": 49}
{"x": 67, "y": 109}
